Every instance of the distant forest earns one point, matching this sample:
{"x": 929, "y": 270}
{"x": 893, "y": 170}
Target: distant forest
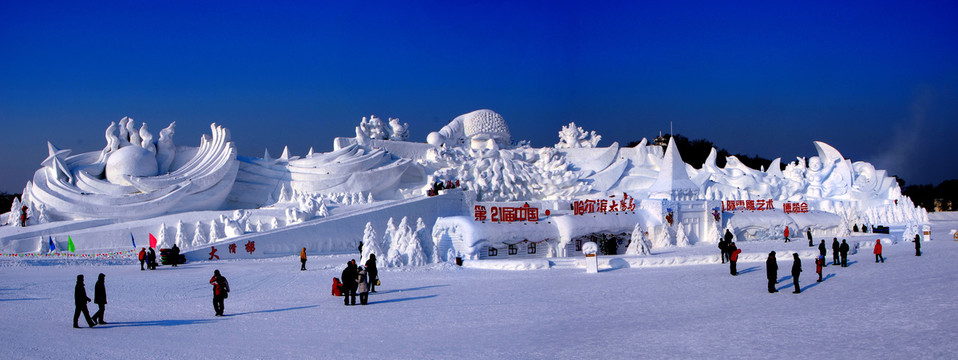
{"x": 696, "y": 151}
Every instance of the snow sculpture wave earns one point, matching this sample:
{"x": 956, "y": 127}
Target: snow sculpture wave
{"x": 123, "y": 181}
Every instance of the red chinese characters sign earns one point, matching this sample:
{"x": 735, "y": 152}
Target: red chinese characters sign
{"x": 604, "y": 206}
{"x": 750, "y": 205}
{"x": 795, "y": 208}
{"x": 506, "y": 214}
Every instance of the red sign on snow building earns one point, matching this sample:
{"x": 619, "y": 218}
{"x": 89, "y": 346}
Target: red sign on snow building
{"x": 506, "y": 213}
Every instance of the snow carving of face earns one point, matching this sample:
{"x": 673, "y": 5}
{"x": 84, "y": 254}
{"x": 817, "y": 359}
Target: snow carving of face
{"x": 483, "y": 146}
{"x": 815, "y": 164}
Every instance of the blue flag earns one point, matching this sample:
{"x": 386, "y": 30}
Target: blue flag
{"x": 52, "y": 245}
{"x": 133, "y": 240}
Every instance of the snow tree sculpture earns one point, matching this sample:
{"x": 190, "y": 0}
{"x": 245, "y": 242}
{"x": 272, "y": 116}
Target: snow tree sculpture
{"x": 371, "y": 245}
{"x": 640, "y": 244}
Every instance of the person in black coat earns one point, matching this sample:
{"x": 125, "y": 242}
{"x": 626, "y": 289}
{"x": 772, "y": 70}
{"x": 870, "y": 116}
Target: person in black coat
{"x": 843, "y": 250}
{"x": 80, "y": 299}
{"x": 822, "y": 250}
{"x": 808, "y": 234}
{"x": 723, "y": 249}
{"x": 728, "y": 240}
{"x": 99, "y": 298}
{"x": 174, "y": 255}
{"x": 151, "y": 259}
{"x": 917, "y": 245}
{"x": 372, "y": 272}
{"x": 835, "y": 247}
{"x": 796, "y": 271}
{"x": 771, "y": 272}
{"x": 349, "y": 276}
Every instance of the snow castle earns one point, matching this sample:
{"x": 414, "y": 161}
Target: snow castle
{"x": 469, "y": 190}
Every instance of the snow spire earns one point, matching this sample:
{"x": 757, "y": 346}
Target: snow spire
{"x": 673, "y": 182}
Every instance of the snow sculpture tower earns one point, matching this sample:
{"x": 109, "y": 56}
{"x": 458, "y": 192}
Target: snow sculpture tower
{"x": 673, "y": 182}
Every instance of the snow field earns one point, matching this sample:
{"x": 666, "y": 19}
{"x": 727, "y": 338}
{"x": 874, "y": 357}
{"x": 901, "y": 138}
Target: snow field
{"x": 902, "y": 308}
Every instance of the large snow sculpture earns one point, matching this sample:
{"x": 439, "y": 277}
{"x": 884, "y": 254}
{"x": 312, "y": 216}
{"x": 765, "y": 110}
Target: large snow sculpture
{"x": 126, "y": 183}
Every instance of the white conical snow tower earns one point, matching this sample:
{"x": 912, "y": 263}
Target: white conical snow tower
{"x": 673, "y": 182}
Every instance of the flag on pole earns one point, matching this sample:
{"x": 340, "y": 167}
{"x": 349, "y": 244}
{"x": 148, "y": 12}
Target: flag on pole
{"x": 152, "y": 241}
{"x": 53, "y": 246}
{"x": 133, "y": 240}
{"x": 70, "y": 245}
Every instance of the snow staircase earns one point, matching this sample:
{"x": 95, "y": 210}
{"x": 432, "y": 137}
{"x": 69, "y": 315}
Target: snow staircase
{"x": 563, "y": 263}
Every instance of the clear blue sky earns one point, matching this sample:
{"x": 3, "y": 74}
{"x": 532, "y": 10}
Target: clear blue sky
{"x": 879, "y": 81}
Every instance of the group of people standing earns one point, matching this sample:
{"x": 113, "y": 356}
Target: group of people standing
{"x": 839, "y": 257}
{"x": 359, "y": 279}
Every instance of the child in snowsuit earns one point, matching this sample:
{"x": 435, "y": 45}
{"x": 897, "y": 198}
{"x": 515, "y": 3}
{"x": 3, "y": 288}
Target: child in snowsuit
{"x": 819, "y": 262}
{"x": 733, "y": 259}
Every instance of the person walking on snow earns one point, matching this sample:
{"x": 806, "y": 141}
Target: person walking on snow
{"x": 917, "y": 245}
{"x": 835, "y": 247}
{"x": 878, "y": 251}
{"x": 80, "y": 299}
{"x": 372, "y": 272}
{"x": 142, "y": 257}
{"x": 302, "y": 259}
{"x": 796, "y": 271}
{"x": 843, "y": 250}
{"x": 771, "y": 272}
{"x": 786, "y": 234}
{"x": 819, "y": 263}
{"x": 99, "y": 298}
{"x": 733, "y": 259}
{"x": 362, "y": 286}
{"x": 809, "y": 235}
{"x": 221, "y": 289}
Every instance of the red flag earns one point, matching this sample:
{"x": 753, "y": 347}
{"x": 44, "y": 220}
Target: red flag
{"x": 152, "y": 241}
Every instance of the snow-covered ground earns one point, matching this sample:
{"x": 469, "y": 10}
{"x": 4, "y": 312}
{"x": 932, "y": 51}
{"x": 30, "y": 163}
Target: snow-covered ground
{"x": 903, "y": 308}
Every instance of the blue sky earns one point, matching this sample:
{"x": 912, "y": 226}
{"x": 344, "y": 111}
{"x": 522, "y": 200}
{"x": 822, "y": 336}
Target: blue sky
{"x": 877, "y": 80}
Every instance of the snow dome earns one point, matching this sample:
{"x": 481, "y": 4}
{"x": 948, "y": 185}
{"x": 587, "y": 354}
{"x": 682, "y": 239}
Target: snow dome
{"x": 130, "y": 161}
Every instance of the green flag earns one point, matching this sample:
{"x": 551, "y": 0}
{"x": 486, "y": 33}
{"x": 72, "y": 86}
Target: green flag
{"x": 70, "y": 245}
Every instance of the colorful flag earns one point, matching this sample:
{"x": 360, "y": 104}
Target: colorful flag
{"x": 152, "y": 241}
{"x": 133, "y": 240}
{"x": 70, "y": 245}
{"x": 53, "y": 247}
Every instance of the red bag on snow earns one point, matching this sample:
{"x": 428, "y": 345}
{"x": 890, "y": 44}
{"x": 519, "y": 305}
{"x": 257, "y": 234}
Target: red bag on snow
{"x": 337, "y": 287}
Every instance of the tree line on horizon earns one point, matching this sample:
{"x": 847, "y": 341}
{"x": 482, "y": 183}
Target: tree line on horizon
{"x": 695, "y": 152}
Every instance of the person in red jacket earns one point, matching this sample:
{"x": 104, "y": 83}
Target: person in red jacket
{"x": 142, "y": 256}
{"x": 221, "y": 289}
{"x": 877, "y": 251}
{"x": 819, "y": 262}
{"x": 733, "y": 258}
{"x": 786, "y": 234}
